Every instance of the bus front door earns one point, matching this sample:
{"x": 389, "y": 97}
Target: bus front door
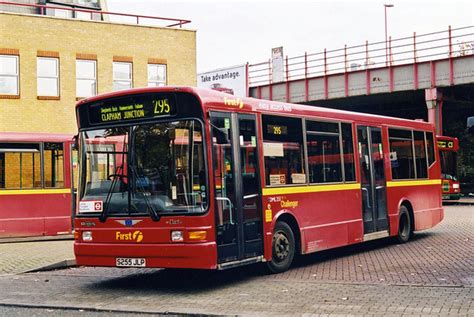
{"x": 237, "y": 187}
{"x": 373, "y": 183}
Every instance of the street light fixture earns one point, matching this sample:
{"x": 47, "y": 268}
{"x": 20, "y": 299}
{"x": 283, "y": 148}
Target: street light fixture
{"x": 386, "y": 48}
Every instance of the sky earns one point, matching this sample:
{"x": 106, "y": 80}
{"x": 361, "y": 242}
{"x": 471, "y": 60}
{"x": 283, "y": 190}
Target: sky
{"x": 231, "y": 32}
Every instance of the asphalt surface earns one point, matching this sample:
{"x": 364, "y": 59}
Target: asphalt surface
{"x": 431, "y": 275}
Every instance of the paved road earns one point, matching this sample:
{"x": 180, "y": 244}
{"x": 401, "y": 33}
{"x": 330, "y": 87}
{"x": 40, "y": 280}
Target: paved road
{"x": 19, "y": 257}
{"x": 431, "y": 275}
{"x": 18, "y": 311}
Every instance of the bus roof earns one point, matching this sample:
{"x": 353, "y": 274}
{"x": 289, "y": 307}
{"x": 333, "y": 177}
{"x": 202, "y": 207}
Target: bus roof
{"x": 212, "y": 99}
{"x": 34, "y": 137}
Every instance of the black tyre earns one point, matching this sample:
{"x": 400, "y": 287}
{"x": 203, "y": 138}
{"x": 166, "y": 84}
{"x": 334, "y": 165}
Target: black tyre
{"x": 405, "y": 230}
{"x": 283, "y": 248}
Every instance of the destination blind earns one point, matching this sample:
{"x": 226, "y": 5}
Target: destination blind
{"x": 132, "y": 108}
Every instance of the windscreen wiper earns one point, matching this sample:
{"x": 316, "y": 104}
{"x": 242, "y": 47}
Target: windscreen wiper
{"x": 153, "y": 213}
{"x": 115, "y": 175}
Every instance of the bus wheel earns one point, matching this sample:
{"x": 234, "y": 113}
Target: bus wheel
{"x": 405, "y": 230}
{"x": 283, "y": 248}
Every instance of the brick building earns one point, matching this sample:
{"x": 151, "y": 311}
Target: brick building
{"x": 50, "y": 58}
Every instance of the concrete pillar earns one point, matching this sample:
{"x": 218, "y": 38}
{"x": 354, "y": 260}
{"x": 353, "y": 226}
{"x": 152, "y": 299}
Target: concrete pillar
{"x": 434, "y": 103}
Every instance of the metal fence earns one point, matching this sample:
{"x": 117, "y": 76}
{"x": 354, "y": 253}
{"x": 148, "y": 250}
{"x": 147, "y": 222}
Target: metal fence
{"x": 449, "y": 43}
{"x": 86, "y": 14}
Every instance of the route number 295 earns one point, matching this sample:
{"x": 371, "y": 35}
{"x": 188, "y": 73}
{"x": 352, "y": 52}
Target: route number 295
{"x": 161, "y": 106}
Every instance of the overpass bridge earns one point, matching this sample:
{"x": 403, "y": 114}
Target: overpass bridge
{"x": 398, "y": 70}
{"x": 422, "y": 76}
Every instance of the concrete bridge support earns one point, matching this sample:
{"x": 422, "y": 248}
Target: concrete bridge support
{"x": 434, "y": 103}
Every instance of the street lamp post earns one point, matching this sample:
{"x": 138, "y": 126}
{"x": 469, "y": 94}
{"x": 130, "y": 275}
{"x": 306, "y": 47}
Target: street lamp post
{"x": 386, "y": 48}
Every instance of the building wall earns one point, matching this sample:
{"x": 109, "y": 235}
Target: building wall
{"x": 72, "y": 38}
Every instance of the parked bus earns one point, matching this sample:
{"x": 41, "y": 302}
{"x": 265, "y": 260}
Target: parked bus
{"x": 35, "y": 184}
{"x": 448, "y": 148}
{"x": 192, "y": 178}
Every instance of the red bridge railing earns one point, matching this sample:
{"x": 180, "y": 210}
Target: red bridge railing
{"x": 93, "y": 14}
{"x": 413, "y": 49}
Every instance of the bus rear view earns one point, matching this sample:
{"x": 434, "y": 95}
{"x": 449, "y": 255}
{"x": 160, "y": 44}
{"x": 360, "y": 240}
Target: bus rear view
{"x": 143, "y": 193}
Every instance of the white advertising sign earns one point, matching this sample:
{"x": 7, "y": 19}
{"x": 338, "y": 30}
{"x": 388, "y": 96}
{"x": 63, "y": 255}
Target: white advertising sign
{"x": 232, "y": 80}
{"x": 277, "y": 65}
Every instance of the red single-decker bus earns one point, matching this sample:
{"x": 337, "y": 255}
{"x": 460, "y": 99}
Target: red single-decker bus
{"x": 36, "y": 187}
{"x": 180, "y": 177}
{"x": 448, "y": 148}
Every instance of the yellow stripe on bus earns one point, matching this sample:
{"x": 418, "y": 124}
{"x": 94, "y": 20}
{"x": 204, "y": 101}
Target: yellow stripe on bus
{"x": 309, "y": 189}
{"x": 35, "y": 191}
{"x": 414, "y": 183}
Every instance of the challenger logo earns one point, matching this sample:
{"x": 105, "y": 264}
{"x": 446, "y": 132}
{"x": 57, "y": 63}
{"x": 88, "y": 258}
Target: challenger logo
{"x": 136, "y": 236}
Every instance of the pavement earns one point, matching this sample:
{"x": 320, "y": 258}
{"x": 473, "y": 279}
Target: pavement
{"x": 431, "y": 275}
{"x": 26, "y": 256}
{"x": 20, "y": 255}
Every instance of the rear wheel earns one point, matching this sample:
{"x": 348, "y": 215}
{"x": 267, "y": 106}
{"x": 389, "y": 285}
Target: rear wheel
{"x": 405, "y": 230}
{"x": 283, "y": 248}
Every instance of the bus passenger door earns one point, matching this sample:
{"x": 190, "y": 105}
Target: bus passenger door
{"x": 373, "y": 182}
{"x": 235, "y": 173}
{"x": 250, "y": 186}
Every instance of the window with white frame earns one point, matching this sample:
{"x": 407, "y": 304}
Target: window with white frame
{"x": 48, "y": 76}
{"x": 122, "y": 75}
{"x": 86, "y": 78}
{"x": 9, "y": 75}
{"x": 156, "y": 75}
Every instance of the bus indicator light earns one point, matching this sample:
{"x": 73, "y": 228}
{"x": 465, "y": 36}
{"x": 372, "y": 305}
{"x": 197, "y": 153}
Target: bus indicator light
{"x": 198, "y": 235}
{"x": 268, "y": 213}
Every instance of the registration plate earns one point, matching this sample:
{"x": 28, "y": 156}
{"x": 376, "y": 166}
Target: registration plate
{"x": 130, "y": 262}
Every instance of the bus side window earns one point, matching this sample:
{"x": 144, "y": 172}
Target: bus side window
{"x": 283, "y": 150}
{"x": 348, "y": 151}
{"x": 420, "y": 154}
{"x": 430, "y": 148}
{"x": 324, "y": 152}
{"x": 20, "y": 166}
{"x": 53, "y": 165}
{"x": 401, "y": 154}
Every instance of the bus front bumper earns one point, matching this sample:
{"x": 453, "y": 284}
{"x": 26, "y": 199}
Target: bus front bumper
{"x": 451, "y": 196}
{"x": 194, "y": 256}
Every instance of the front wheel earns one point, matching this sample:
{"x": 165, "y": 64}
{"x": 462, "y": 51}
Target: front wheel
{"x": 283, "y": 248}
{"x": 405, "y": 230}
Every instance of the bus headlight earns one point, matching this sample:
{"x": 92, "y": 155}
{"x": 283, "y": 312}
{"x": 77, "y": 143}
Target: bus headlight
{"x": 455, "y": 186}
{"x": 177, "y": 236}
{"x": 86, "y": 235}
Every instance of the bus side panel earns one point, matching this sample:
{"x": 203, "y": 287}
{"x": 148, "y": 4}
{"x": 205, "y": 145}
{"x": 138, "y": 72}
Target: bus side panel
{"x": 36, "y": 214}
{"x": 327, "y": 219}
{"x": 332, "y": 219}
{"x": 427, "y": 212}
